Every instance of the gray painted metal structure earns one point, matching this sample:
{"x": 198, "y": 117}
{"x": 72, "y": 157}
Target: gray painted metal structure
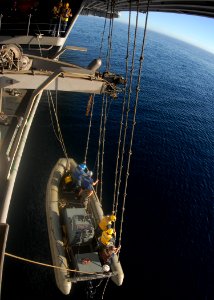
{"x": 198, "y": 8}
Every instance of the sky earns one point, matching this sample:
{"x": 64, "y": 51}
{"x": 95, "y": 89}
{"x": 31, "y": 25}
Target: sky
{"x": 195, "y": 30}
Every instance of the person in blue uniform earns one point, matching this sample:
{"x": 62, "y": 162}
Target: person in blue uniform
{"x": 88, "y": 183}
{"x": 79, "y": 172}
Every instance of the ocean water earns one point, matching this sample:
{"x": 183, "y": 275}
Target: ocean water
{"x": 168, "y": 236}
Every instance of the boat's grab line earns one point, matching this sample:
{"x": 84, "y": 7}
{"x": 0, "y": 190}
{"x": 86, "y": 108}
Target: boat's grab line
{"x": 46, "y": 265}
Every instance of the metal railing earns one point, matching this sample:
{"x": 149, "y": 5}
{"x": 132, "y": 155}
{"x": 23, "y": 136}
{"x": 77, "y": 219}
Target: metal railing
{"x": 30, "y": 27}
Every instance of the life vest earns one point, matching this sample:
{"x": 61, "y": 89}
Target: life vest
{"x": 66, "y": 13}
{"x": 106, "y": 238}
{"x": 68, "y": 179}
{"x": 105, "y": 223}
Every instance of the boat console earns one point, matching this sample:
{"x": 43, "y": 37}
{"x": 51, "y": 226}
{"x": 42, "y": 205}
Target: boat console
{"x": 79, "y": 226}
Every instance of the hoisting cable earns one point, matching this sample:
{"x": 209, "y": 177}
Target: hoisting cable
{"x": 89, "y": 127}
{"x": 89, "y": 104}
{"x": 97, "y": 162}
{"x": 99, "y": 142}
{"x": 111, "y": 23}
{"x": 103, "y": 147}
{"x": 104, "y": 28}
{"x": 122, "y": 113}
{"x": 134, "y": 119}
{"x": 127, "y": 109}
{"x": 59, "y": 135}
{"x": 105, "y": 101}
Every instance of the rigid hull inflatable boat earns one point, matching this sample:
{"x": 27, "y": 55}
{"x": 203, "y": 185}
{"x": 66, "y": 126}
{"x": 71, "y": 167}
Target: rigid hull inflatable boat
{"x": 71, "y": 223}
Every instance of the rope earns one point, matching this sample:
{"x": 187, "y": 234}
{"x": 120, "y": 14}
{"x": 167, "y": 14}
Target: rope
{"x": 108, "y": 55}
{"x": 103, "y": 147}
{"x": 59, "y": 136}
{"x": 122, "y": 113}
{"x": 89, "y": 127}
{"x": 97, "y": 162}
{"x": 45, "y": 265}
{"x": 127, "y": 110}
{"x": 99, "y": 142}
{"x": 101, "y": 136}
{"x": 104, "y": 28}
{"x": 134, "y": 119}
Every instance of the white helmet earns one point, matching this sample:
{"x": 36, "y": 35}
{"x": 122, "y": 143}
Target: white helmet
{"x": 90, "y": 173}
{"x": 106, "y": 268}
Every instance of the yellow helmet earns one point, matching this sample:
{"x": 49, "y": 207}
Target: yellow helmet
{"x": 110, "y": 231}
{"x": 67, "y": 5}
{"x": 113, "y": 218}
{"x": 68, "y": 179}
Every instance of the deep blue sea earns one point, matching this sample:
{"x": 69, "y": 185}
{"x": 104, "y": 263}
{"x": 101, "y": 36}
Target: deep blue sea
{"x": 168, "y": 232}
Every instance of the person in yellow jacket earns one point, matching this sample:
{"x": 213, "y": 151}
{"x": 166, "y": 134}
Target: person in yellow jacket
{"x": 106, "y": 222}
{"x": 56, "y": 12}
{"x": 66, "y": 13}
{"x": 107, "y": 238}
{"x": 67, "y": 182}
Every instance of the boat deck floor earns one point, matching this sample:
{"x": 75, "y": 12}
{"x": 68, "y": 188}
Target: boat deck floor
{"x": 70, "y": 199}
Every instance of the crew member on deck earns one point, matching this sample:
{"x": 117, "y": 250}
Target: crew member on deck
{"x": 66, "y": 13}
{"x": 107, "y": 253}
{"x": 79, "y": 172}
{"x": 55, "y": 20}
{"x": 67, "y": 182}
{"x": 88, "y": 183}
{"x": 107, "y": 238}
{"x": 105, "y": 223}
